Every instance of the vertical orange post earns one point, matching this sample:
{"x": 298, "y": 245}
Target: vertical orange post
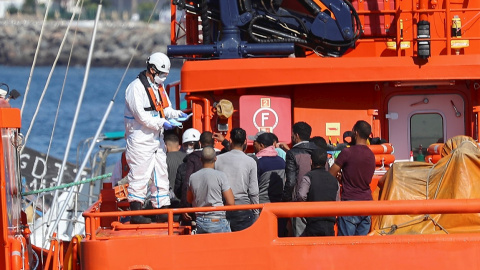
{"x": 170, "y": 223}
{"x": 207, "y": 113}
{"x": 51, "y": 252}
{"x": 108, "y": 204}
{"x": 192, "y": 29}
{"x": 448, "y": 17}
{"x": 423, "y": 5}
{"x": 176, "y": 89}
{"x": 87, "y": 228}
{"x": 173, "y": 23}
{"x": 74, "y": 253}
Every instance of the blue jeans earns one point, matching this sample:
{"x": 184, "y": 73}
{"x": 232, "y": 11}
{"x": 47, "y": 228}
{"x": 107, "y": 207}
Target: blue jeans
{"x": 212, "y": 225}
{"x": 354, "y": 225}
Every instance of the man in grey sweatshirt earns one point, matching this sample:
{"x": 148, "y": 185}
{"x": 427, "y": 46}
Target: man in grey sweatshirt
{"x": 241, "y": 171}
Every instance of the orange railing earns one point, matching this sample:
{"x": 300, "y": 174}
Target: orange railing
{"x": 206, "y": 115}
{"x": 175, "y": 86}
{"x": 272, "y": 211}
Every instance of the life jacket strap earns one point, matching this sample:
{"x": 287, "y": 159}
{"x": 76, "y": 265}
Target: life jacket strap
{"x": 155, "y": 105}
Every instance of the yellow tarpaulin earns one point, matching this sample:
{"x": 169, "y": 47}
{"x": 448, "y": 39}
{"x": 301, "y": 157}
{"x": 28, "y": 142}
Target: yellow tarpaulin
{"x": 455, "y": 176}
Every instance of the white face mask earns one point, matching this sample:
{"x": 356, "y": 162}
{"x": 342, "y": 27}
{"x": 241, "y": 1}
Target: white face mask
{"x": 160, "y": 79}
{"x": 189, "y": 147}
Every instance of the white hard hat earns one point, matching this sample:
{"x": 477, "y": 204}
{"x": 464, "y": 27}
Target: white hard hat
{"x": 191, "y": 135}
{"x": 160, "y": 61}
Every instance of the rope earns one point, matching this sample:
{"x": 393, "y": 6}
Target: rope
{"x": 50, "y": 75}
{"x": 27, "y": 89}
{"x": 64, "y": 81}
{"x": 100, "y": 177}
{"x": 393, "y": 228}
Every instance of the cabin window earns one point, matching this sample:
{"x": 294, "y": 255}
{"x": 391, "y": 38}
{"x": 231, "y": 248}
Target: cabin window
{"x": 425, "y": 129}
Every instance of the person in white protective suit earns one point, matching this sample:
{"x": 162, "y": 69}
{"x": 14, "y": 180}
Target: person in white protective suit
{"x": 147, "y": 110}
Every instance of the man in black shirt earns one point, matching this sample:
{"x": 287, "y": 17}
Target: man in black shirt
{"x": 318, "y": 185}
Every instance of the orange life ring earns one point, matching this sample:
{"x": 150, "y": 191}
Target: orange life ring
{"x": 432, "y": 158}
{"x": 384, "y": 148}
{"x": 384, "y": 159}
{"x": 435, "y": 149}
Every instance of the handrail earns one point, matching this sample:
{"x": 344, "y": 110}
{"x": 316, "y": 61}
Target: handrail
{"x": 207, "y": 116}
{"x": 307, "y": 209}
{"x": 176, "y": 87}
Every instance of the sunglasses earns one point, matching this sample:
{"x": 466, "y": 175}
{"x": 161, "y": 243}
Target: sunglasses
{"x": 158, "y": 72}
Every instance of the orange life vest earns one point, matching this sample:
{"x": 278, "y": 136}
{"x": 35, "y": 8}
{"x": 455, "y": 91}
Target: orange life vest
{"x": 155, "y": 104}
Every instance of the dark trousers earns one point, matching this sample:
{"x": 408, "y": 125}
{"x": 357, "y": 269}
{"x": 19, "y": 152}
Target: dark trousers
{"x": 282, "y": 227}
{"x": 240, "y": 220}
{"x": 320, "y": 228}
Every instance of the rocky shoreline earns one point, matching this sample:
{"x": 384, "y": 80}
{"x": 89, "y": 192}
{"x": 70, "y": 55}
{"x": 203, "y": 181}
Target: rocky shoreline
{"x": 114, "y": 44}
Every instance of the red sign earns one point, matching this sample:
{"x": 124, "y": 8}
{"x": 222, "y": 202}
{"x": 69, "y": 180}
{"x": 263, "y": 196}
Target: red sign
{"x": 266, "y": 113}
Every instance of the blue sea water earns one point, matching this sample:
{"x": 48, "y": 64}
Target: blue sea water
{"x": 100, "y": 90}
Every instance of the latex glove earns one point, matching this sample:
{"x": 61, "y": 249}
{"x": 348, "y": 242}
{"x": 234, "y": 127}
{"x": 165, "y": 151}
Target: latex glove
{"x": 175, "y": 123}
{"x": 182, "y": 115}
{"x": 167, "y": 125}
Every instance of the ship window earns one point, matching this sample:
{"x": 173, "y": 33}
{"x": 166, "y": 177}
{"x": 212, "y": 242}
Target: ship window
{"x": 425, "y": 129}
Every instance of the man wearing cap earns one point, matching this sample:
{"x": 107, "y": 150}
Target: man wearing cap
{"x": 270, "y": 169}
{"x": 280, "y": 152}
{"x": 270, "y": 173}
{"x": 190, "y": 142}
{"x": 147, "y": 109}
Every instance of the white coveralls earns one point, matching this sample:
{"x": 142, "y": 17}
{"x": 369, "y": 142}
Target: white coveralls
{"x": 145, "y": 152}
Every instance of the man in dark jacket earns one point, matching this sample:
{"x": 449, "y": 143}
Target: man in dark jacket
{"x": 174, "y": 159}
{"x": 270, "y": 172}
{"x": 193, "y": 163}
{"x": 318, "y": 185}
{"x": 270, "y": 169}
{"x": 298, "y": 163}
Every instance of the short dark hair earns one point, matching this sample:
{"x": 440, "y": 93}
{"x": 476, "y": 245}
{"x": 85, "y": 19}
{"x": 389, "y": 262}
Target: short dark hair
{"x": 266, "y": 139}
{"x": 320, "y": 142}
{"x": 303, "y": 130}
{"x": 363, "y": 128}
{"x": 275, "y": 138}
{"x": 319, "y": 157}
{"x": 238, "y": 136}
{"x": 208, "y": 154}
{"x": 206, "y": 138}
{"x": 149, "y": 66}
{"x": 171, "y": 137}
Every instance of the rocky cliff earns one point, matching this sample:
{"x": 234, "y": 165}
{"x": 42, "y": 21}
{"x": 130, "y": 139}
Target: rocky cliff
{"x": 114, "y": 44}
